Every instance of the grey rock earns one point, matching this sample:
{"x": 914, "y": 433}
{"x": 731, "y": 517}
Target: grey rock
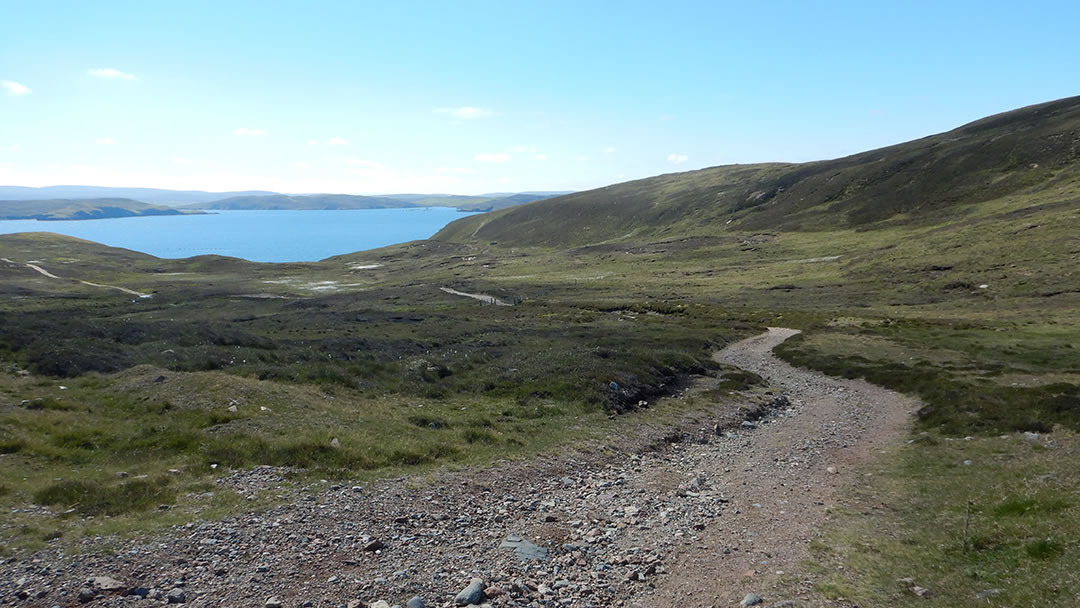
{"x": 750, "y": 600}
{"x": 987, "y": 594}
{"x": 525, "y": 550}
{"x": 86, "y": 594}
{"x": 785, "y": 604}
{"x": 415, "y": 602}
{"x": 472, "y": 594}
{"x": 106, "y": 583}
{"x": 746, "y": 424}
{"x": 176, "y": 596}
{"x": 272, "y": 602}
{"x": 375, "y": 545}
{"x": 379, "y": 604}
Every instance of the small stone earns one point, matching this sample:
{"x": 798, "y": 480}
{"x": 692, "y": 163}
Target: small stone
{"x": 415, "y": 602}
{"x": 830, "y": 470}
{"x": 987, "y": 594}
{"x": 233, "y": 409}
{"x": 472, "y": 594}
{"x": 176, "y": 596}
{"x": 272, "y": 602}
{"x": 379, "y": 604}
{"x": 356, "y": 604}
{"x": 335, "y": 443}
{"x": 86, "y": 594}
{"x": 746, "y": 424}
{"x": 141, "y": 592}
{"x": 750, "y": 600}
{"x": 494, "y": 591}
{"x": 374, "y": 545}
{"x": 920, "y": 591}
{"x": 106, "y": 583}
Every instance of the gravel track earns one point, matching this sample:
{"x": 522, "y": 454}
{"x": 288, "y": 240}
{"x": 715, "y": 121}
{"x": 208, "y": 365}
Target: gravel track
{"x": 697, "y": 518}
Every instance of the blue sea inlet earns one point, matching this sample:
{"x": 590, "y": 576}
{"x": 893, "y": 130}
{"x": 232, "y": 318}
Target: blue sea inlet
{"x": 259, "y": 236}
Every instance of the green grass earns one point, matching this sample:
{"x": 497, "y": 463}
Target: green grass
{"x": 1009, "y": 522}
{"x": 956, "y": 368}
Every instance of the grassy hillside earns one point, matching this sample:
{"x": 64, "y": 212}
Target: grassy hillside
{"x": 1032, "y": 152}
{"x": 81, "y": 209}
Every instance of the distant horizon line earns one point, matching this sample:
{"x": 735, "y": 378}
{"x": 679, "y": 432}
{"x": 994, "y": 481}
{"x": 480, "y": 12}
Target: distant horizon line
{"x": 261, "y": 191}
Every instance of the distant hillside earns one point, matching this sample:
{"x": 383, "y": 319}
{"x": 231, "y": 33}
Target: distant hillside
{"x": 91, "y": 209}
{"x": 306, "y": 202}
{"x": 503, "y": 202}
{"x": 1027, "y": 151}
{"x": 390, "y": 201}
{"x": 146, "y": 195}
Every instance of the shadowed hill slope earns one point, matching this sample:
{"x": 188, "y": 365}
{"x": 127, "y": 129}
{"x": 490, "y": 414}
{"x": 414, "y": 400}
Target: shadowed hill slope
{"x": 1033, "y": 151}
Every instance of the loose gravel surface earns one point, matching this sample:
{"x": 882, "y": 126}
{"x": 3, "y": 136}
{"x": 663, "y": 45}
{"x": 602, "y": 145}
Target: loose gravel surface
{"x": 701, "y": 517}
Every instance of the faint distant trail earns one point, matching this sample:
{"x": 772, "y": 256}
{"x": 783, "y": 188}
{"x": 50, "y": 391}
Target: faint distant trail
{"x": 123, "y": 289}
{"x": 477, "y": 296}
{"x": 42, "y": 271}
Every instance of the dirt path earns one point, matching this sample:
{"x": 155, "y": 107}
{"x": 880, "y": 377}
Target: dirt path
{"x": 781, "y": 480}
{"x": 696, "y": 518}
{"x": 53, "y": 276}
{"x": 477, "y": 296}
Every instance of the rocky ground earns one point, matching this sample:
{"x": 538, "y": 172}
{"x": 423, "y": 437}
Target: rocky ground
{"x": 717, "y": 515}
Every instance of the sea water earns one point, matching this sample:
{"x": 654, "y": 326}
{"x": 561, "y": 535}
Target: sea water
{"x": 259, "y": 236}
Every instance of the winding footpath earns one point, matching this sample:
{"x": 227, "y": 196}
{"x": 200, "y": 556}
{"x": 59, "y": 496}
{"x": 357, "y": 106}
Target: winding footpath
{"x": 700, "y": 518}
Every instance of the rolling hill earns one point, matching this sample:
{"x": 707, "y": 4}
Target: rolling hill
{"x": 1032, "y": 152}
{"x": 87, "y": 209}
{"x": 147, "y": 195}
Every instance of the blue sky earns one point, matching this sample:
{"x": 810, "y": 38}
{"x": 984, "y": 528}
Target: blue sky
{"x": 469, "y": 97}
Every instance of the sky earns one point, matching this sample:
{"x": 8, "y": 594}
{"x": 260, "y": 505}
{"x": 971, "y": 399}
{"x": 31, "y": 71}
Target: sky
{"x": 468, "y": 97}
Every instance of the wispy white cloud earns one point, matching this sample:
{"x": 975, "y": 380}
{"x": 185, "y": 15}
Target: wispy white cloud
{"x": 14, "y": 88}
{"x": 111, "y": 74}
{"x": 11, "y": 148}
{"x": 336, "y": 141}
{"x": 360, "y": 162}
{"x": 249, "y": 132}
{"x": 466, "y": 112}
{"x": 675, "y": 159}
{"x": 313, "y": 142}
{"x": 183, "y": 160}
{"x": 496, "y": 157}
{"x": 540, "y": 157}
{"x": 106, "y": 141}
{"x": 609, "y": 150}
